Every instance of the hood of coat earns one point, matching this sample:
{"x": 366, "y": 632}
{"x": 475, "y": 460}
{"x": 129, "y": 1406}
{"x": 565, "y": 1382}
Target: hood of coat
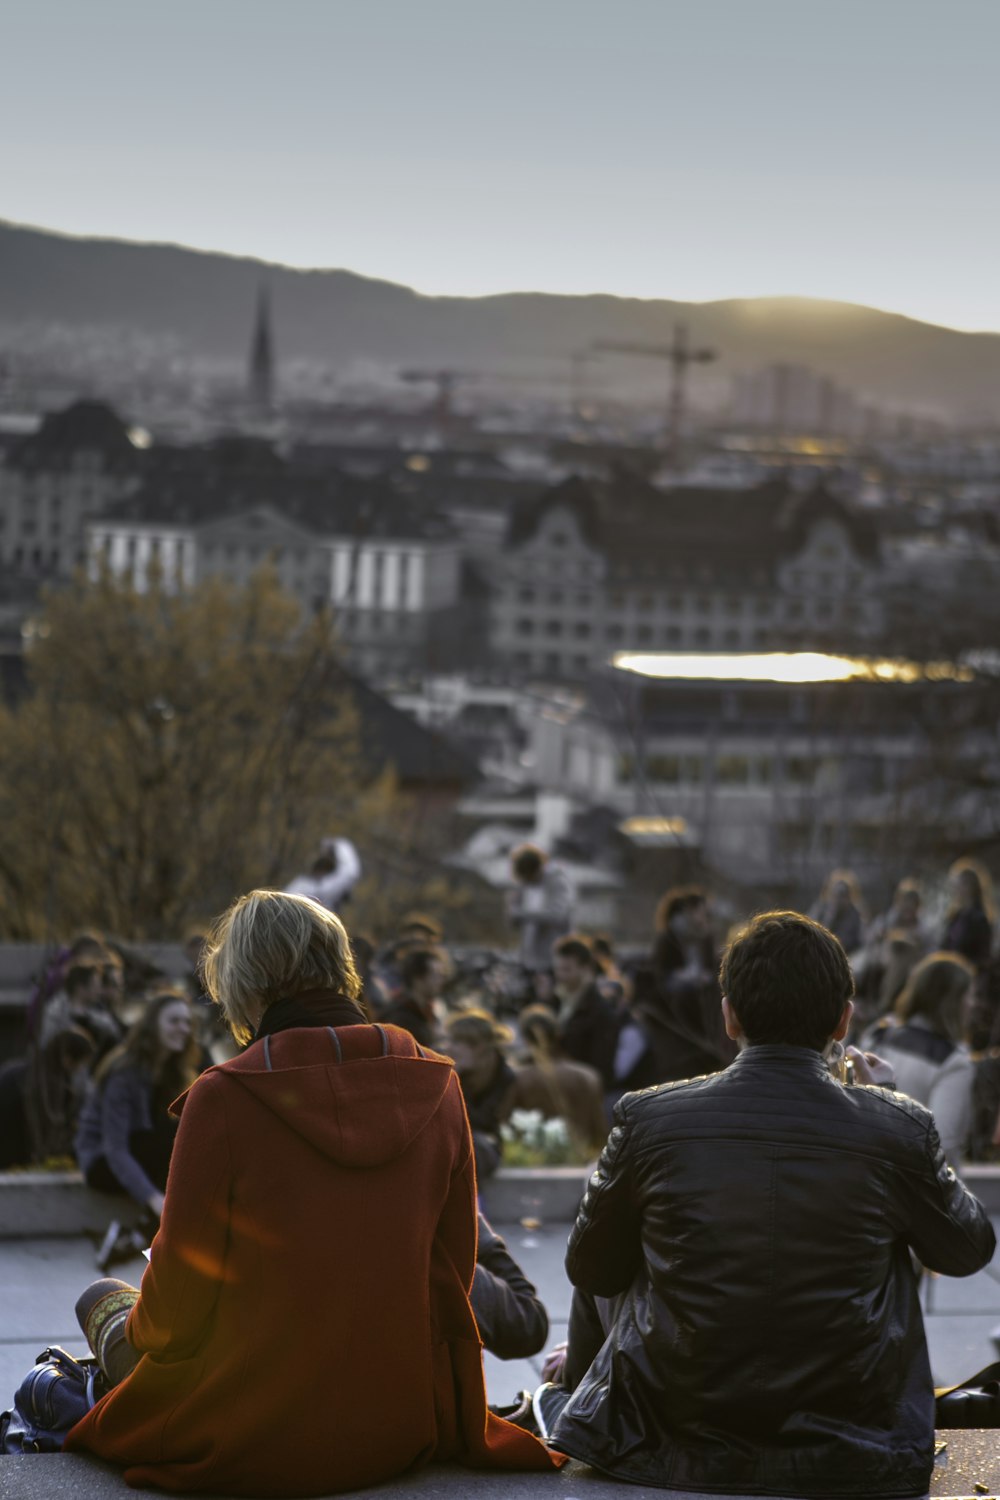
{"x": 360, "y": 1094}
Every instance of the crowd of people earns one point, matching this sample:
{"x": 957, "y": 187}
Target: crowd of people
{"x": 310, "y": 1095}
{"x": 564, "y": 1028}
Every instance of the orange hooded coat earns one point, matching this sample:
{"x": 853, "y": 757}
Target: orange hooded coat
{"x": 305, "y": 1319}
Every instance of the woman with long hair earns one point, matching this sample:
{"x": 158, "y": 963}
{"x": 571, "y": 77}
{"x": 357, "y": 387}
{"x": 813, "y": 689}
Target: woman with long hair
{"x": 304, "y": 1324}
{"x": 125, "y": 1132}
{"x": 924, "y": 1041}
{"x": 968, "y": 924}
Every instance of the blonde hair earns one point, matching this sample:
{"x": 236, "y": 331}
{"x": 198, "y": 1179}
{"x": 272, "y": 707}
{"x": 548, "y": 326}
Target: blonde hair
{"x": 271, "y": 946}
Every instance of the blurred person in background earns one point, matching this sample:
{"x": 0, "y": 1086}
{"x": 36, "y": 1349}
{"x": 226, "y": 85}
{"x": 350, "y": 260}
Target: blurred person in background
{"x": 332, "y": 875}
{"x": 418, "y": 1005}
{"x": 90, "y": 998}
{"x": 555, "y": 1085}
{"x": 321, "y": 1202}
{"x": 839, "y": 909}
{"x": 968, "y": 923}
{"x": 40, "y": 1097}
{"x": 925, "y": 1044}
{"x": 540, "y": 906}
{"x": 475, "y": 1041}
{"x": 125, "y": 1133}
{"x": 676, "y": 994}
{"x": 587, "y": 1024}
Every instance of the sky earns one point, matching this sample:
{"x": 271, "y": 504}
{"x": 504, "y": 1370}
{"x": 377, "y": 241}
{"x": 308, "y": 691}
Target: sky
{"x": 689, "y": 149}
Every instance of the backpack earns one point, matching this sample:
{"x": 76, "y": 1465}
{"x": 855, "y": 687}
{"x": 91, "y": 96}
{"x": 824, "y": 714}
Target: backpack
{"x": 51, "y": 1399}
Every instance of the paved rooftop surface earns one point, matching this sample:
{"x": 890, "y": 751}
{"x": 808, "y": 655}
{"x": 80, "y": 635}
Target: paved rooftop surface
{"x": 41, "y": 1280}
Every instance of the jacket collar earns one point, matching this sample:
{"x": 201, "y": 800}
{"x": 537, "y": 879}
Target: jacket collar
{"x": 310, "y": 1008}
{"x": 771, "y": 1053}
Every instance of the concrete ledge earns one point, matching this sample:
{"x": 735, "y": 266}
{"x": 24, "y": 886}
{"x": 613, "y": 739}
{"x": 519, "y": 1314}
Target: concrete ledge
{"x": 39, "y": 1204}
{"x": 36, "y": 1205}
{"x": 973, "y": 1458}
{"x": 549, "y": 1194}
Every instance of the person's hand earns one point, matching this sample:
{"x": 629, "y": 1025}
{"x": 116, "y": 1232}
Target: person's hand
{"x": 555, "y": 1364}
{"x": 870, "y": 1068}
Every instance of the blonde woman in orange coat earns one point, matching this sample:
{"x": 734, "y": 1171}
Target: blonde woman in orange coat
{"x": 304, "y": 1324}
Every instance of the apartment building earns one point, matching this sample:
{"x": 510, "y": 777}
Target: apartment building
{"x": 390, "y": 575}
{"x": 80, "y": 461}
{"x": 590, "y": 569}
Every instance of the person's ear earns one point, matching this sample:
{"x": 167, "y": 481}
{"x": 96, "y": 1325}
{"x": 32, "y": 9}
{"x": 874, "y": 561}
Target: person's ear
{"x": 841, "y": 1029}
{"x": 734, "y": 1031}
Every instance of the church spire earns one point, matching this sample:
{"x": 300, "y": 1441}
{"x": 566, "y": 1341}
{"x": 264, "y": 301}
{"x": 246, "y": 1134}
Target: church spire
{"x": 260, "y": 377}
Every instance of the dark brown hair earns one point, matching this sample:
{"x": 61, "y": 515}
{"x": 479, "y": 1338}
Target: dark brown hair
{"x": 787, "y": 980}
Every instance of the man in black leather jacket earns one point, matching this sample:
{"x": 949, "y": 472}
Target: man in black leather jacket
{"x": 754, "y": 1229}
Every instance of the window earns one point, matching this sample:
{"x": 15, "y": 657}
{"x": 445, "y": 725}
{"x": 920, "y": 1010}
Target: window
{"x": 702, "y": 636}
{"x": 525, "y": 627}
{"x": 800, "y": 770}
{"x": 644, "y": 603}
{"x": 526, "y": 596}
{"x": 582, "y": 631}
{"x": 553, "y": 628}
{"x": 644, "y": 634}
{"x": 703, "y": 604}
{"x": 732, "y": 770}
{"x": 556, "y": 596}
{"x": 664, "y": 768}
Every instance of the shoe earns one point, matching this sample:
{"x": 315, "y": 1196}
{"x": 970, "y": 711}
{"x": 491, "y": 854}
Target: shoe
{"x": 547, "y": 1406}
{"x": 107, "y": 1248}
{"x": 118, "y": 1246}
{"x": 519, "y": 1413}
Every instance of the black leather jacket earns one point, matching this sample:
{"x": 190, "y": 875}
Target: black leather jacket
{"x": 768, "y": 1340}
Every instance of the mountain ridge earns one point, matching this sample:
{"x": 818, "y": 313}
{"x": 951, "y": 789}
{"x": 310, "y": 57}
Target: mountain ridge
{"x": 203, "y": 301}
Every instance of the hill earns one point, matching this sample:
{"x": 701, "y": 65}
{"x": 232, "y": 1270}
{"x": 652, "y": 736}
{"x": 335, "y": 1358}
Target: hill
{"x": 205, "y": 301}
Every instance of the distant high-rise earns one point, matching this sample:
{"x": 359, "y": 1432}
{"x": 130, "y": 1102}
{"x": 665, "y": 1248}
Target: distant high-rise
{"x": 260, "y": 376}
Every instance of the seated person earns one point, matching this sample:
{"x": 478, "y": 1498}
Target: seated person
{"x": 39, "y": 1098}
{"x": 924, "y": 1042}
{"x": 555, "y": 1085}
{"x": 91, "y": 991}
{"x": 511, "y": 1318}
{"x": 473, "y": 1040}
{"x": 312, "y": 1271}
{"x": 415, "y": 1008}
{"x": 125, "y": 1134}
{"x": 747, "y": 1318}
{"x": 587, "y": 1023}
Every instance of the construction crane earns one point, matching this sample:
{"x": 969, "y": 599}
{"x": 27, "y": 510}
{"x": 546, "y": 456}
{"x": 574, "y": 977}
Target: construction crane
{"x": 445, "y": 381}
{"x": 680, "y": 356}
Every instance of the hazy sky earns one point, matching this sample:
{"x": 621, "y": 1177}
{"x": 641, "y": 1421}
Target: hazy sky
{"x": 676, "y": 148}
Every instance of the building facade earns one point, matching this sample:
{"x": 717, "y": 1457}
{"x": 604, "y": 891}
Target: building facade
{"x": 390, "y": 577}
{"x": 588, "y": 570}
{"x": 80, "y": 461}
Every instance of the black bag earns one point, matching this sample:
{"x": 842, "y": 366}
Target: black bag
{"x": 974, "y": 1403}
{"x": 51, "y": 1399}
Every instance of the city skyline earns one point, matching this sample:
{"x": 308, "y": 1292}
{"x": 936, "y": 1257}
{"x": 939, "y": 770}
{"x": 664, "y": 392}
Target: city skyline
{"x": 663, "y": 151}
